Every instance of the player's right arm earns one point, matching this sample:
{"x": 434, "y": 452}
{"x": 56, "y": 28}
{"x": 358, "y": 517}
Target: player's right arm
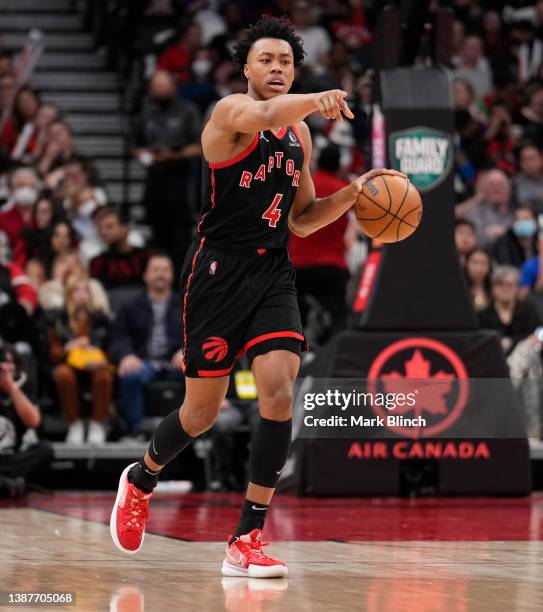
{"x": 242, "y": 114}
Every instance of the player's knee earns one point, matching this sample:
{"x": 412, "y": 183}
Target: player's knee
{"x": 197, "y": 417}
{"x": 276, "y": 402}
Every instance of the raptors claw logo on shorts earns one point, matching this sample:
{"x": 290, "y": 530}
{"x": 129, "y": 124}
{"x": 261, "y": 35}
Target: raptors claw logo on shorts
{"x": 215, "y": 349}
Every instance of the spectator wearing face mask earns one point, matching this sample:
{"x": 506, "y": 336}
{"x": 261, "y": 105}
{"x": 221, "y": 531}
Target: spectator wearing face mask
{"x": 166, "y": 138}
{"x": 199, "y": 89}
{"x": 519, "y": 243}
{"x": 528, "y": 183}
{"x": 176, "y": 59}
{"x": 18, "y": 212}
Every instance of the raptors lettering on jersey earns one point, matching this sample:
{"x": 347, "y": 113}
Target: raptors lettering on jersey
{"x": 246, "y": 200}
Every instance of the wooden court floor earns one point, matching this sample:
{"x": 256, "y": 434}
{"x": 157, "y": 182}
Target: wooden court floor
{"x": 63, "y": 544}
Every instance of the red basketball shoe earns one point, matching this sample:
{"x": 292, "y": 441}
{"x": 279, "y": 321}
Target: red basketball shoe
{"x": 244, "y": 557}
{"x": 127, "y": 523}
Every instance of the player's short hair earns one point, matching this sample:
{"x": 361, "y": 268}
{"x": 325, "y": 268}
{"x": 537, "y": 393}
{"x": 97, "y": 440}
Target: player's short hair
{"x": 269, "y": 27}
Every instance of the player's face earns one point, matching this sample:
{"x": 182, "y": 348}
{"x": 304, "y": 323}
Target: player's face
{"x": 270, "y": 68}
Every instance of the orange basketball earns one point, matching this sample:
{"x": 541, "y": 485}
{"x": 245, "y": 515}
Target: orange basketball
{"x": 388, "y": 208}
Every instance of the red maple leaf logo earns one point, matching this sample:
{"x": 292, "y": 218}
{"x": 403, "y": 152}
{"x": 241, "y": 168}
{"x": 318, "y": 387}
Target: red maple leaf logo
{"x": 431, "y": 389}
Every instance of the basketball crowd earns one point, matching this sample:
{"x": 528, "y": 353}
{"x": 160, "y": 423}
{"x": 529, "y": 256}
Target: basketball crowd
{"x": 90, "y": 306}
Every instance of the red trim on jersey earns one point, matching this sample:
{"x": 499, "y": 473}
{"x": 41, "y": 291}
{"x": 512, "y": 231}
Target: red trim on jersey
{"x": 206, "y": 373}
{"x": 238, "y": 158}
{"x": 282, "y": 132}
{"x": 264, "y": 337}
{"x": 185, "y": 299}
{"x": 299, "y": 138}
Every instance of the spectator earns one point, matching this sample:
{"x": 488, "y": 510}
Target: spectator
{"x": 19, "y": 462}
{"x": 490, "y": 209}
{"x": 199, "y": 89}
{"x": 470, "y": 152}
{"x": 6, "y": 65}
{"x": 25, "y": 109}
{"x": 58, "y": 150}
{"x": 465, "y": 238}
{"x": 7, "y": 96}
{"x": 319, "y": 259}
{"x": 121, "y": 265}
{"x": 499, "y": 150}
{"x": 317, "y": 43}
{"x": 178, "y": 58}
{"x": 77, "y": 335}
{"x": 51, "y": 293}
{"x": 473, "y": 66}
{"x": 478, "y": 269}
{"x": 146, "y": 338}
{"x": 519, "y": 243}
{"x": 530, "y": 118}
{"x": 62, "y": 240}
{"x": 457, "y": 40}
{"x": 528, "y": 183}
{"x": 531, "y": 278}
{"x": 464, "y": 99}
{"x": 15, "y": 287}
{"x": 18, "y": 212}
{"x": 167, "y": 136}
{"x": 513, "y": 319}
{"x": 46, "y": 115}
{"x": 516, "y": 322}
{"x": 528, "y": 50}
{"x": 71, "y": 179}
{"x": 496, "y": 43}
{"x": 34, "y": 239}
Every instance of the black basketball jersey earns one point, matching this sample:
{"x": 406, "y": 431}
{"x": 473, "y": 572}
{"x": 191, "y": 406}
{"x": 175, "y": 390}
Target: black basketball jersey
{"x": 247, "y": 199}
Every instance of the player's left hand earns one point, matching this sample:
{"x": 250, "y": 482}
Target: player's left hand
{"x": 359, "y": 183}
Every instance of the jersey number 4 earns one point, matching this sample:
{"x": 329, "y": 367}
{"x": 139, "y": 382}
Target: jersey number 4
{"x": 273, "y": 214}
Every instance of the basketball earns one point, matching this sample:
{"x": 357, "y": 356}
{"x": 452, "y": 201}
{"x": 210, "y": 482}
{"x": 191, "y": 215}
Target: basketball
{"x": 388, "y": 208}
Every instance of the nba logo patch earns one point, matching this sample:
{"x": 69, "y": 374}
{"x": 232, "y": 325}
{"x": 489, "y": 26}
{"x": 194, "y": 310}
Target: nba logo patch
{"x": 293, "y": 140}
{"x": 212, "y": 268}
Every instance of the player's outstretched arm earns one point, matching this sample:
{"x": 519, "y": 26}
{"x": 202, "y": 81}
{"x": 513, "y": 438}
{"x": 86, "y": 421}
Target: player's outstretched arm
{"x": 241, "y": 113}
{"x": 309, "y": 214}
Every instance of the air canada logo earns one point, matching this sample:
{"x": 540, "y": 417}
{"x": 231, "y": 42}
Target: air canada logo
{"x": 215, "y": 349}
{"x": 431, "y": 370}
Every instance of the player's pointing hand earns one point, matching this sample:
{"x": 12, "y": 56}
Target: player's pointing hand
{"x": 332, "y": 105}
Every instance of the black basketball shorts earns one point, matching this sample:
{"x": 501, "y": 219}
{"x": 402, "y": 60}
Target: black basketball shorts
{"x": 236, "y": 301}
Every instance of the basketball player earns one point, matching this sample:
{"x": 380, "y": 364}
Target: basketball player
{"x": 238, "y": 283}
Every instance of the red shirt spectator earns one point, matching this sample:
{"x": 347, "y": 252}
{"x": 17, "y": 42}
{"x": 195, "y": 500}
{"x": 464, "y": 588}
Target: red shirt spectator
{"x": 177, "y": 58}
{"x": 22, "y": 287}
{"x": 325, "y": 247}
{"x": 12, "y": 222}
{"x": 23, "y": 195}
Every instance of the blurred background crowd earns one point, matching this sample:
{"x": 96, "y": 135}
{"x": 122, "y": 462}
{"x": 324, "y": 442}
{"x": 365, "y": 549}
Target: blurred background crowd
{"x": 88, "y": 271}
